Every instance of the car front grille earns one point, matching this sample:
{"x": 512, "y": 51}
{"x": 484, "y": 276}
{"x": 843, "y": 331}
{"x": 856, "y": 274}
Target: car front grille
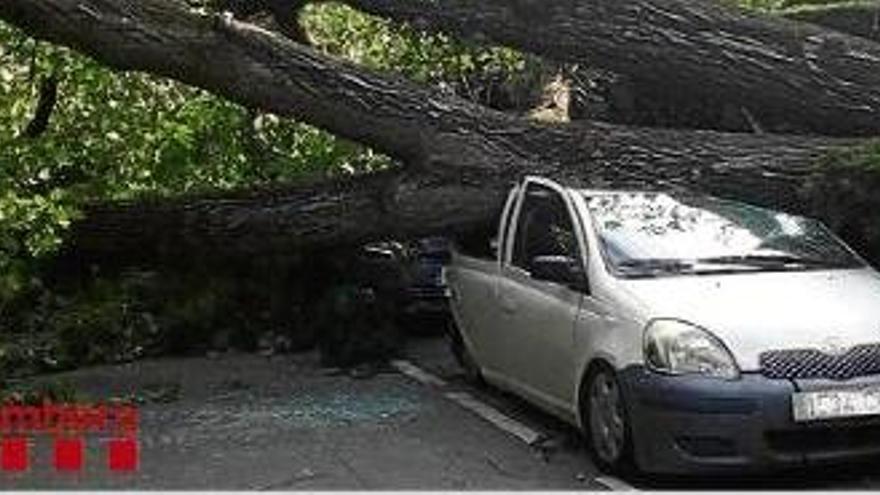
{"x": 858, "y": 361}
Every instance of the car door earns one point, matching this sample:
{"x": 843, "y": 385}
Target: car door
{"x": 538, "y": 317}
{"x": 474, "y": 292}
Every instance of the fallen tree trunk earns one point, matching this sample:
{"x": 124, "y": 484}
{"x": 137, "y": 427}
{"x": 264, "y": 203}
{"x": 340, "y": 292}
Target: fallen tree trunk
{"x": 259, "y": 69}
{"x": 304, "y": 217}
{"x": 783, "y": 72}
{"x": 636, "y": 99}
{"x": 398, "y": 205}
{"x": 424, "y": 129}
{"x": 632, "y": 101}
{"x": 391, "y": 205}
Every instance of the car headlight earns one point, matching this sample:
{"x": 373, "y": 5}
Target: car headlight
{"x": 676, "y": 347}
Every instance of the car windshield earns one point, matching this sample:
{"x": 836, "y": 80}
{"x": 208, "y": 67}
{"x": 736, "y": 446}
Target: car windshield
{"x": 657, "y": 234}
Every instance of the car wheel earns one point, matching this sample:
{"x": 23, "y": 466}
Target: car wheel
{"x": 606, "y": 422}
{"x": 462, "y": 353}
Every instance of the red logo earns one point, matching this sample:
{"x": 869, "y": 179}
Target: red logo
{"x": 68, "y": 424}
{"x": 14, "y": 454}
{"x": 69, "y": 454}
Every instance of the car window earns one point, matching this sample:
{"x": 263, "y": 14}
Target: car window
{"x": 660, "y": 234}
{"x": 544, "y": 227}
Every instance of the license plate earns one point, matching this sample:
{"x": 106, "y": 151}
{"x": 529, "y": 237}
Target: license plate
{"x": 829, "y": 404}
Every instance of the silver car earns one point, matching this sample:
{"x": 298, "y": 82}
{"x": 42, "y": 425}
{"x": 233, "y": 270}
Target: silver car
{"x": 680, "y": 332}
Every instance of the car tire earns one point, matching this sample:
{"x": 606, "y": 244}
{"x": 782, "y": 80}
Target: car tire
{"x": 606, "y": 424}
{"x": 462, "y": 354}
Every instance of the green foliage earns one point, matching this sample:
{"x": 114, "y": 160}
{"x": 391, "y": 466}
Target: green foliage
{"x": 379, "y": 44}
{"x": 759, "y": 5}
{"x": 842, "y": 192}
{"x": 118, "y": 136}
{"x": 30, "y": 226}
{"x": 125, "y": 135}
{"x": 864, "y": 158}
{"x": 119, "y": 318}
{"x": 99, "y": 323}
{"x": 822, "y": 6}
{"x": 36, "y": 394}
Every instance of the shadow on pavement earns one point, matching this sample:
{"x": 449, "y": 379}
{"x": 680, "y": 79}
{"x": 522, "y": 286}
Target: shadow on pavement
{"x": 830, "y": 476}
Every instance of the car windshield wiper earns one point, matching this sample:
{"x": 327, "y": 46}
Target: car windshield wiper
{"x": 772, "y": 260}
{"x": 655, "y": 266}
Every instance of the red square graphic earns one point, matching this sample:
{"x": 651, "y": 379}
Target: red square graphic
{"x": 69, "y": 454}
{"x": 123, "y": 454}
{"x": 14, "y": 455}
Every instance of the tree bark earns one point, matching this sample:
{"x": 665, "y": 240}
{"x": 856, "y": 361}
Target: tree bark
{"x": 784, "y": 72}
{"x": 473, "y": 153}
{"x": 397, "y": 205}
{"x": 283, "y": 220}
{"x": 857, "y": 19}
{"x": 39, "y": 124}
{"x": 657, "y": 100}
{"x": 423, "y": 128}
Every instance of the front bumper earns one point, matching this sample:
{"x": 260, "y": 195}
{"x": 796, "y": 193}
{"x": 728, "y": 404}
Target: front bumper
{"x": 427, "y": 301}
{"x": 702, "y": 425}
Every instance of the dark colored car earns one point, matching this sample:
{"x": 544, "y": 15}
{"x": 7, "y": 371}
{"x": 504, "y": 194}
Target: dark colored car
{"x": 427, "y": 294}
{"x": 411, "y": 276}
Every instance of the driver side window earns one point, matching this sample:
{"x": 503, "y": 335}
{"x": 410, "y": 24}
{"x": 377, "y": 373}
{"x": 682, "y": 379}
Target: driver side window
{"x": 544, "y": 228}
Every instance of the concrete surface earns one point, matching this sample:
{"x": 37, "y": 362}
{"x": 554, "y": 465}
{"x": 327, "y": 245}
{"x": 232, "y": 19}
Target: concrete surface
{"x": 247, "y": 422}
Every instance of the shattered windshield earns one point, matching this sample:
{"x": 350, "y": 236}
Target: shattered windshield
{"x": 653, "y": 234}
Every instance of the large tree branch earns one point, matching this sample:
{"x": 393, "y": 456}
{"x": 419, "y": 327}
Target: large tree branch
{"x": 468, "y": 143}
{"x": 417, "y": 125}
{"x": 782, "y": 71}
{"x": 666, "y": 103}
{"x": 308, "y": 217}
{"x": 283, "y": 220}
{"x": 39, "y": 124}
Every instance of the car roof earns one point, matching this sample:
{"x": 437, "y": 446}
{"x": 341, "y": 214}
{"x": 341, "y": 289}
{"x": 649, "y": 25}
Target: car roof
{"x": 596, "y": 192}
{"x": 627, "y": 190}
{"x": 673, "y": 193}
{"x": 624, "y": 192}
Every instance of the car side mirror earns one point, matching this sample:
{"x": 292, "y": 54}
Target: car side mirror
{"x": 561, "y": 270}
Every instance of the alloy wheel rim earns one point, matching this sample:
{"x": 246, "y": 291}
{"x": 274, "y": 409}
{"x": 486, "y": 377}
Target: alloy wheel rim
{"x": 606, "y": 418}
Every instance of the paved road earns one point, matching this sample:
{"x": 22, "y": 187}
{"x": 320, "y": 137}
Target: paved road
{"x": 432, "y": 356}
{"x": 251, "y": 422}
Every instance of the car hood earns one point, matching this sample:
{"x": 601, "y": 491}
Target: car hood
{"x": 757, "y": 312}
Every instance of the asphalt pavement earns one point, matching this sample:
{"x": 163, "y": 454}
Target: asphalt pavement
{"x": 250, "y": 422}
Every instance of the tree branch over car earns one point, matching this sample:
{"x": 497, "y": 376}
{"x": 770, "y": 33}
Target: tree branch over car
{"x": 813, "y": 79}
{"x": 457, "y": 143}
